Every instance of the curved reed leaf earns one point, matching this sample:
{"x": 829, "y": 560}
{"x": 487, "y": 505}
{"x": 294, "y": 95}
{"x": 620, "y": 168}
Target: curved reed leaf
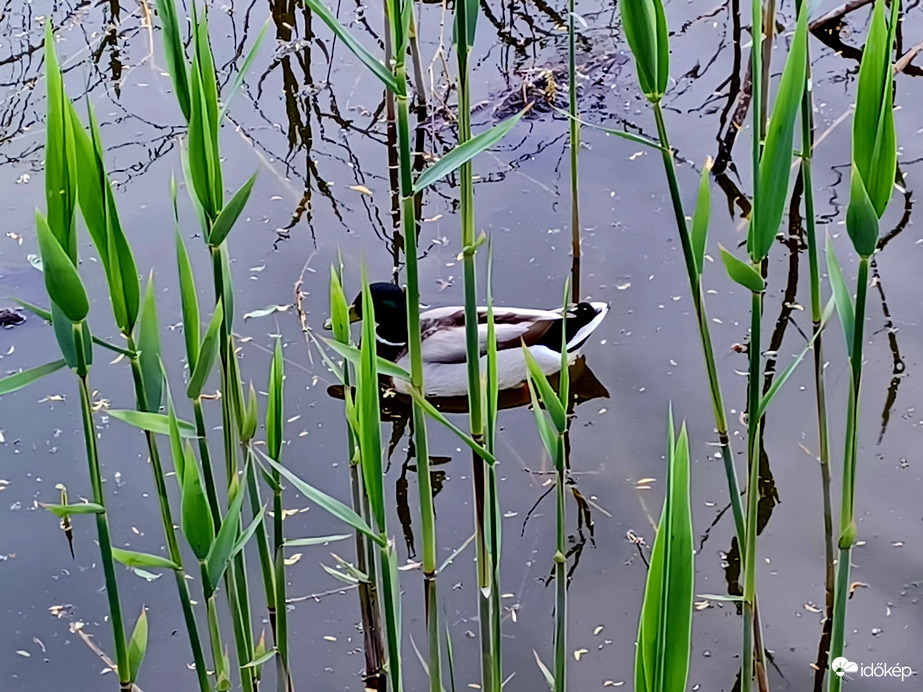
{"x": 841, "y": 295}
{"x": 861, "y": 216}
{"x": 207, "y": 355}
{"x": 12, "y": 383}
{"x": 463, "y": 153}
{"x": 197, "y": 523}
{"x": 149, "y": 349}
{"x": 137, "y": 645}
{"x": 61, "y": 278}
{"x": 741, "y": 272}
{"x": 699, "y": 233}
{"x": 133, "y": 558}
{"x": 230, "y": 213}
{"x": 385, "y": 76}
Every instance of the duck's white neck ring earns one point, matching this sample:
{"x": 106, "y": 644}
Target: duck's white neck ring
{"x": 384, "y": 341}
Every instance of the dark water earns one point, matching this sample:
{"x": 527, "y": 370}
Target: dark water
{"x": 310, "y": 121}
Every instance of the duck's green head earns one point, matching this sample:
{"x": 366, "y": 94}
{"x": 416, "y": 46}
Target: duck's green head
{"x": 390, "y": 305}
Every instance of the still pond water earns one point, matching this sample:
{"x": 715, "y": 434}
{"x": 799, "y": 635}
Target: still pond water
{"x": 311, "y": 122}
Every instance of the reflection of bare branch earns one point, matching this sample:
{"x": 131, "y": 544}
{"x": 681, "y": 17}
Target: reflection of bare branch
{"x": 837, "y": 13}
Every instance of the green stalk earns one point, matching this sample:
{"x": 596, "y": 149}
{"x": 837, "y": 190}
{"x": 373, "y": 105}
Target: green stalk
{"x": 169, "y": 528}
{"x": 698, "y": 300}
{"x": 214, "y": 634}
{"x": 560, "y": 577}
{"x": 820, "y": 389}
{"x": 392, "y": 616}
{"x": 281, "y": 631}
{"x": 208, "y": 473}
{"x": 753, "y": 494}
{"x": 102, "y": 528}
{"x": 415, "y": 348}
{"x": 490, "y": 658}
{"x": 266, "y": 558}
{"x": 847, "y": 509}
{"x": 574, "y": 150}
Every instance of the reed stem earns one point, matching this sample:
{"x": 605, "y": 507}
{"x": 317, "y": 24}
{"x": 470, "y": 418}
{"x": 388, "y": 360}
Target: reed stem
{"x": 574, "y": 151}
{"x": 169, "y": 529}
{"x": 848, "y": 498}
{"x": 102, "y": 528}
{"x": 560, "y": 576}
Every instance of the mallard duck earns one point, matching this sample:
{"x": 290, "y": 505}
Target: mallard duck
{"x": 443, "y": 332}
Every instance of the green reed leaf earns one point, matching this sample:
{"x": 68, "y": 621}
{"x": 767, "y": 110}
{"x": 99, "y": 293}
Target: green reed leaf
{"x": 190, "y": 302}
{"x": 339, "y": 309}
{"x": 439, "y": 417}
{"x": 699, "y": 235}
{"x": 776, "y": 160}
{"x": 149, "y": 349}
{"x": 874, "y": 140}
{"x": 353, "y": 355}
{"x": 545, "y": 431}
{"x": 665, "y": 625}
{"x": 137, "y": 645}
{"x": 384, "y": 75}
{"x": 275, "y": 416}
{"x": 231, "y": 212}
{"x": 12, "y": 383}
{"x": 861, "y": 217}
{"x": 207, "y": 355}
{"x": 369, "y": 411}
{"x": 222, "y": 548}
{"x": 260, "y": 658}
{"x": 132, "y": 558}
{"x": 197, "y": 523}
{"x": 157, "y": 423}
{"x": 60, "y": 155}
{"x": 463, "y": 153}
{"x": 547, "y": 674}
{"x": 244, "y": 69}
{"x": 471, "y": 9}
{"x": 249, "y": 416}
{"x": 315, "y": 540}
{"x": 331, "y": 505}
{"x": 65, "y": 511}
{"x": 61, "y": 278}
{"x": 645, "y": 27}
{"x": 176, "y": 441}
{"x": 174, "y": 54}
{"x": 64, "y": 334}
{"x": 741, "y": 272}
{"x": 842, "y": 296}
{"x": 781, "y": 378}
{"x": 548, "y": 396}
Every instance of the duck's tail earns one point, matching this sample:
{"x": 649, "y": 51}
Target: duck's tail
{"x": 579, "y": 323}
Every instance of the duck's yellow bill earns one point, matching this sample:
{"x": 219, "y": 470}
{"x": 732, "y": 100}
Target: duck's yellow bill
{"x": 353, "y": 317}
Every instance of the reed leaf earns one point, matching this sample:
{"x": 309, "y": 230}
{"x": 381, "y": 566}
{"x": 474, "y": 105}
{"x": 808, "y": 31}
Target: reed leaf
{"x": 230, "y": 213}
{"x": 369, "y": 412}
{"x": 375, "y": 66}
{"x": 60, "y": 156}
{"x": 207, "y": 355}
{"x": 545, "y": 429}
{"x": 315, "y": 540}
{"x": 197, "y": 523}
{"x": 176, "y": 441}
{"x": 243, "y": 70}
{"x": 274, "y": 407}
{"x": 861, "y": 217}
{"x": 174, "y": 54}
{"x": 874, "y": 148}
{"x": 645, "y": 27}
{"x": 17, "y": 381}
{"x": 60, "y": 273}
{"x": 776, "y": 160}
{"x": 841, "y": 295}
{"x": 329, "y": 504}
{"x": 158, "y": 423}
{"x": 665, "y": 627}
{"x": 471, "y": 11}
{"x": 465, "y": 152}
{"x": 189, "y": 300}
{"x": 65, "y": 511}
{"x": 353, "y": 355}
{"x": 137, "y": 645}
{"x": 438, "y": 416}
{"x": 741, "y": 272}
{"x": 781, "y": 378}
{"x": 698, "y": 235}
{"x": 221, "y": 550}
{"x": 149, "y": 349}
{"x": 66, "y": 338}
{"x": 132, "y": 558}
{"x": 549, "y": 398}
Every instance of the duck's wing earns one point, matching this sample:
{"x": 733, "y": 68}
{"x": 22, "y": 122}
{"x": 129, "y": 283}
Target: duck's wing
{"x": 443, "y": 330}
